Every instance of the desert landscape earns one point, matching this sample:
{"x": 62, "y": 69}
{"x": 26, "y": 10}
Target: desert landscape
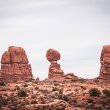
{"x": 19, "y": 90}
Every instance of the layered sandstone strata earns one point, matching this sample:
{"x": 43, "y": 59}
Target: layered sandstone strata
{"x": 14, "y": 65}
{"x": 55, "y": 71}
{"x": 105, "y": 63}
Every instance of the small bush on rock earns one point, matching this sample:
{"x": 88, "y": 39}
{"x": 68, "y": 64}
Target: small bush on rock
{"x": 33, "y": 102}
{"x": 90, "y": 101}
{"x": 22, "y": 93}
{"x": 2, "y": 83}
{"x": 106, "y": 92}
{"x": 94, "y": 92}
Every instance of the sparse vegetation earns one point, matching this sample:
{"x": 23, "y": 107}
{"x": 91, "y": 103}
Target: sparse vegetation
{"x": 25, "y": 85}
{"x": 2, "y": 83}
{"x": 33, "y": 102}
{"x": 36, "y": 96}
{"x": 106, "y": 92}
{"x": 63, "y": 97}
{"x": 90, "y": 101}
{"x": 22, "y": 93}
{"x": 83, "y": 87}
{"x": 104, "y": 102}
{"x": 2, "y": 101}
{"x": 94, "y": 92}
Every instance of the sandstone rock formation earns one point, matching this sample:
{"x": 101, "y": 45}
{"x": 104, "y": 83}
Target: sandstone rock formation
{"x": 55, "y": 71}
{"x": 53, "y": 55}
{"x": 14, "y": 65}
{"x": 105, "y": 63}
{"x": 70, "y": 77}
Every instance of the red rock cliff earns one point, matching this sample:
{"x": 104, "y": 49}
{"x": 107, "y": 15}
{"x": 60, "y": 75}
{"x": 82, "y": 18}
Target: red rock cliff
{"x": 14, "y": 65}
{"x": 105, "y": 63}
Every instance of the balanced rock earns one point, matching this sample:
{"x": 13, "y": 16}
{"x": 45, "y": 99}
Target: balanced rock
{"x": 14, "y": 65}
{"x": 53, "y": 55}
{"x": 55, "y": 72}
{"x": 105, "y": 63}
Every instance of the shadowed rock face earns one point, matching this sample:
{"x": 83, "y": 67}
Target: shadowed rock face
{"x": 14, "y": 65}
{"x": 55, "y": 71}
{"x": 105, "y": 63}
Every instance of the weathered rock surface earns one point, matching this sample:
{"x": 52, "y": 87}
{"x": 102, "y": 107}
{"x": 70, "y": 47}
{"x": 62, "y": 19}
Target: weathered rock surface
{"x": 14, "y": 65}
{"x": 6, "y": 58}
{"x": 70, "y": 77}
{"x": 52, "y": 55}
{"x": 55, "y": 72}
{"x": 105, "y": 63}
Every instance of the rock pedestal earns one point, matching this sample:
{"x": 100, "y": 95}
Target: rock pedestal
{"x": 14, "y": 65}
{"x": 105, "y": 63}
{"x": 55, "y": 72}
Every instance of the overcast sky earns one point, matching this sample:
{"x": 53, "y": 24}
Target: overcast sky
{"x": 76, "y": 28}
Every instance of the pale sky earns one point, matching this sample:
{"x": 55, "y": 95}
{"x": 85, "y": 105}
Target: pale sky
{"x": 76, "y": 28}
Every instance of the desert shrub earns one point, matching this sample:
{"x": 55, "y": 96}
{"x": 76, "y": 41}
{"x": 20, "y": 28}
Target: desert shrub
{"x": 33, "y": 102}
{"x": 106, "y": 92}
{"x": 96, "y": 81}
{"x": 22, "y": 93}
{"x": 83, "y": 87}
{"x": 68, "y": 99}
{"x": 61, "y": 109}
{"x": 63, "y": 97}
{"x": 33, "y": 96}
{"x": 3, "y": 89}
{"x": 61, "y": 91}
{"x": 45, "y": 92}
{"x": 17, "y": 88}
{"x": 80, "y": 105}
{"x": 76, "y": 90}
{"x": 104, "y": 102}
{"x": 90, "y": 101}
{"x": 56, "y": 84}
{"x": 25, "y": 85}
{"x": 13, "y": 108}
{"x": 94, "y": 92}
{"x": 42, "y": 100}
{"x": 2, "y": 83}
{"x": 55, "y": 89}
{"x": 39, "y": 108}
{"x": 36, "y": 88}
{"x": 2, "y": 101}
{"x": 81, "y": 80}
{"x": 14, "y": 80}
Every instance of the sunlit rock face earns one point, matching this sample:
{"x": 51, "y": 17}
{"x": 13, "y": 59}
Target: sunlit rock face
{"x": 14, "y": 65}
{"x": 55, "y": 72}
{"x": 105, "y": 63}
